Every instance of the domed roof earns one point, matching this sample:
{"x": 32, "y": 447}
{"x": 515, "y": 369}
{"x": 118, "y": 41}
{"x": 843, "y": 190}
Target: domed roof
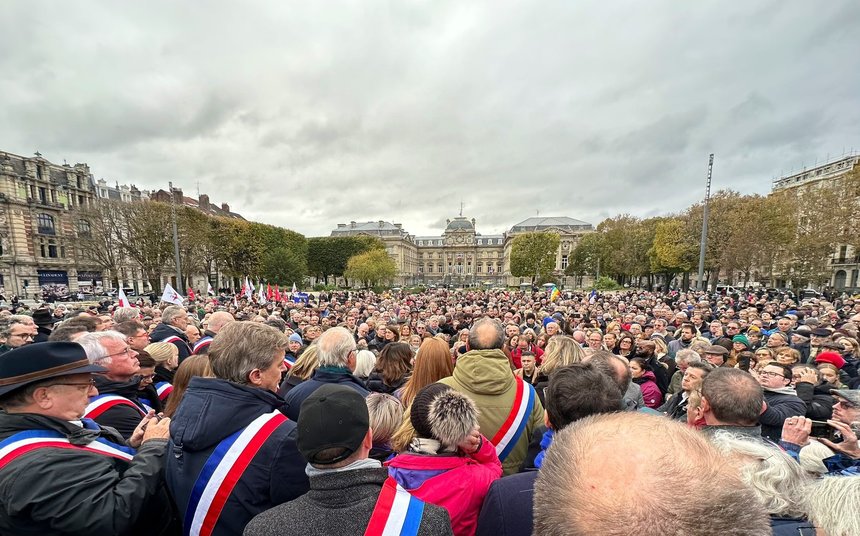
{"x": 460, "y": 224}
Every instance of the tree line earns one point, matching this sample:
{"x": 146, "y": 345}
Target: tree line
{"x": 788, "y": 235}
{"x": 118, "y": 235}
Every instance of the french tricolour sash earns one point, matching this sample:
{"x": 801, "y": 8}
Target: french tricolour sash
{"x": 508, "y": 435}
{"x": 396, "y": 512}
{"x": 164, "y": 389}
{"x": 24, "y": 442}
{"x": 204, "y": 342}
{"x": 101, "y": 403}
{"x": 289, "y": 362}
{"x": 223, "y": 470}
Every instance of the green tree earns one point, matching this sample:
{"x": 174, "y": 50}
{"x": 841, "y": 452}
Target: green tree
{"x": 533, "y": 255}
{"x": 673, "y": 251}
{"x": 586, "y": 257}
{"x": 149, "y": 238}
{"x": 371, "y": 268}
{"x": 328, "y": 255}
{"x": 283, "y": 266}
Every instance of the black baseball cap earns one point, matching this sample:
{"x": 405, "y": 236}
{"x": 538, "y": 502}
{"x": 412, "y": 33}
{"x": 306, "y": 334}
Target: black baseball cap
{"x": 333, "y": 417}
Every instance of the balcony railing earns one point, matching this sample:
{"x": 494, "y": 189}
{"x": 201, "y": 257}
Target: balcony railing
{"x": 46, "y": 230}
{"x": 48, "y": 204}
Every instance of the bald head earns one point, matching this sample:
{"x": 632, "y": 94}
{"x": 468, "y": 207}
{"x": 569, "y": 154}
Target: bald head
{"x": 581, "y": 489}
{"x": 219, "y": 320}
{"x": 486, "y": 334}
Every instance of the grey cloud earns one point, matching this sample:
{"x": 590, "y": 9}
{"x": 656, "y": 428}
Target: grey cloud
{"x": 306, "y": 115}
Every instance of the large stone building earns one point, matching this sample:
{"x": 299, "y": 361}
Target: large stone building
{"x": 845, "y": 261}
{"x": 40, "y": 220}
{"x": 39, "y": 223}
{"x": 461, "y": 256}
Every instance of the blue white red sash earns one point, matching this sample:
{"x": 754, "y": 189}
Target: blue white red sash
{"x": 164, "y": 389}
{"x": 30, "y": 440}
{"x": 101, "y": 403}
{"x": 289, "y": 361}
{"x": 396, "y": 512}
{"x": 506, "y": 438}
{"x": 204, "y": 342}
{"x": 223, "y": 470}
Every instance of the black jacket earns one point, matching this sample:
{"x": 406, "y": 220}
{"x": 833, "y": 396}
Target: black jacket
{"x": 321, "y": 376}
{"x": 121, "y": 417}
{"x": 780, "y": 406}
{"x": 376, "y": 384}
{"x": 819, "y": 402}
{"x": 68, "y": 491}
{"x": 213, "y": 409}
{"x": 42, "y": 334}
{"x": 507, "y": 509}
{"x": 163, "y": 331}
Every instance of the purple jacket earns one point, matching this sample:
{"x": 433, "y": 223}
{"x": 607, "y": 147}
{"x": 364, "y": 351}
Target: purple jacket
{"x": 650, "y": 392}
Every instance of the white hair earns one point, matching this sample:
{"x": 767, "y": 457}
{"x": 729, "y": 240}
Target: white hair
{"x": 773, "y": 475}
{"x": 812, "y": 457}
{"x": 124, "y": 314}
{"x": 833, "y": 503}
{"x": 92, "y": 343}
{"x": 334, "y": 345}
{"x": 365, "y": 361}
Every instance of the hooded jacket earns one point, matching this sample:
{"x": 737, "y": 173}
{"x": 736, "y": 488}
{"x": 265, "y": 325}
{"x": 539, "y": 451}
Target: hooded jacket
{"x": 163, "y": 331}
{"x": 71, "y": 491}
{"x": 213, "y": 409}
{"x": 455, "y": 482}
{"x": 781, "y": 403}
{"x": 650, "y": 392}
{"x": 485, "y": 376}
{"x": 120, "y": 417}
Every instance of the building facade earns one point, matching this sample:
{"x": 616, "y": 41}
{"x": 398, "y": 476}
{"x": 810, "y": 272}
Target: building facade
{"x": 845, "y": 260}
{"x": 39, "y": 222}
{"x": 461, "y": 256}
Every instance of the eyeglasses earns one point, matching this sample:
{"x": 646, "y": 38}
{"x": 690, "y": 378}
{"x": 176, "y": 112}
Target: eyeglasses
{"x": 844, "y": 404}
{"x": 22, "y": 336}
{"x": 147, "y": 378}
{"x": 90, "y": 384}
{"x": 771, "y": 374}
{"x": 128, "y": 351}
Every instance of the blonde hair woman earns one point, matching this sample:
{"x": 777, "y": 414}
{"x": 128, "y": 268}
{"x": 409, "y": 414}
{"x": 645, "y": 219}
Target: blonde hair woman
{"x": 560, "y": 351}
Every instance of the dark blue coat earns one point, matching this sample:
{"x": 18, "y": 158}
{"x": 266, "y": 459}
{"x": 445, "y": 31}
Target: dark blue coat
{"x": 783, "y": 526}
{"x": 507, "y": 509}
{"x": 163, "y": 331}
{"x": 213, "y": 409}
{"x": 321, "y": 376}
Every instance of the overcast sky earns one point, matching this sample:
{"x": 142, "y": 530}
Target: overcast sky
{"x": 309, "y": 114}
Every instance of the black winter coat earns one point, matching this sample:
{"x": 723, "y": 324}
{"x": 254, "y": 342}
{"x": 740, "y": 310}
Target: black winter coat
{"x": 121, "y": 417}
{"x": 212, "y": 410}
{"x": 376, "y": 384}
{"x": 819, "y": 403}
{"x": 70, "y": 491}
{"x": 163, "y": 331}
{"x": 321, "y": 376}
{"x": 507, "y": 509}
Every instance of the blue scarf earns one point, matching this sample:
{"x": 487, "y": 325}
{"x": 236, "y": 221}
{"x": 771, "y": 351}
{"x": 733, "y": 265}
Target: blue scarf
{"x": 545, "y": 442}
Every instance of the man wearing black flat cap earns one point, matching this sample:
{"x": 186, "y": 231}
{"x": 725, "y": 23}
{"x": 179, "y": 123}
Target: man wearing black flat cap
{"x": 61, "y": 474}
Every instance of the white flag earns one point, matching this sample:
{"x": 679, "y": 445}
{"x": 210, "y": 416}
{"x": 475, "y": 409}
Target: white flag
{"x": 171, "y": 296}
{"x": 123, "y": 301}
{"x": 294, "y": 289}
{"x": 209, "y": 289}
{"x": 249, "y": 288}
{"x": 261, "y": 296}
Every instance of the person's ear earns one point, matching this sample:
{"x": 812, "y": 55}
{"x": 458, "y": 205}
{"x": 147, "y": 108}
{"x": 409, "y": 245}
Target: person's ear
{"x": 255, "y": 377}
{"x": 367, "y": 442}
{"x": 704, "y": 405}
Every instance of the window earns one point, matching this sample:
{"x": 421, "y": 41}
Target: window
{"x": 46, "y": 224}
{"x": 52, "y": 251}
{"x": 84, "y": 228}
{"x": 563, "y": 262}
{"x": 43, "y": 195}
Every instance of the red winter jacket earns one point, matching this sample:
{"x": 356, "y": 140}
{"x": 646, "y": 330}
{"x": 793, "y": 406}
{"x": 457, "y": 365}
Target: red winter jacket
{"x": 650, "y": 392}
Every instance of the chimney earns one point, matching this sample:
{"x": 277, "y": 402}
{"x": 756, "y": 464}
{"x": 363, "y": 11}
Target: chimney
{"x": 352, "y": 224}
{"x": 225, "y": 207}
{"x": 341, "y": 225}
{"x": 177, "y": 196}
{"x": 399, "y": 225}
{"x": 203, "y": 202}
{"x": 381, "y": 224}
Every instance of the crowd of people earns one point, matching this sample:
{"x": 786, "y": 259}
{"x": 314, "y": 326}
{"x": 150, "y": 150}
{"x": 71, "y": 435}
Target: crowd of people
{"x": 463, "y": 412}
